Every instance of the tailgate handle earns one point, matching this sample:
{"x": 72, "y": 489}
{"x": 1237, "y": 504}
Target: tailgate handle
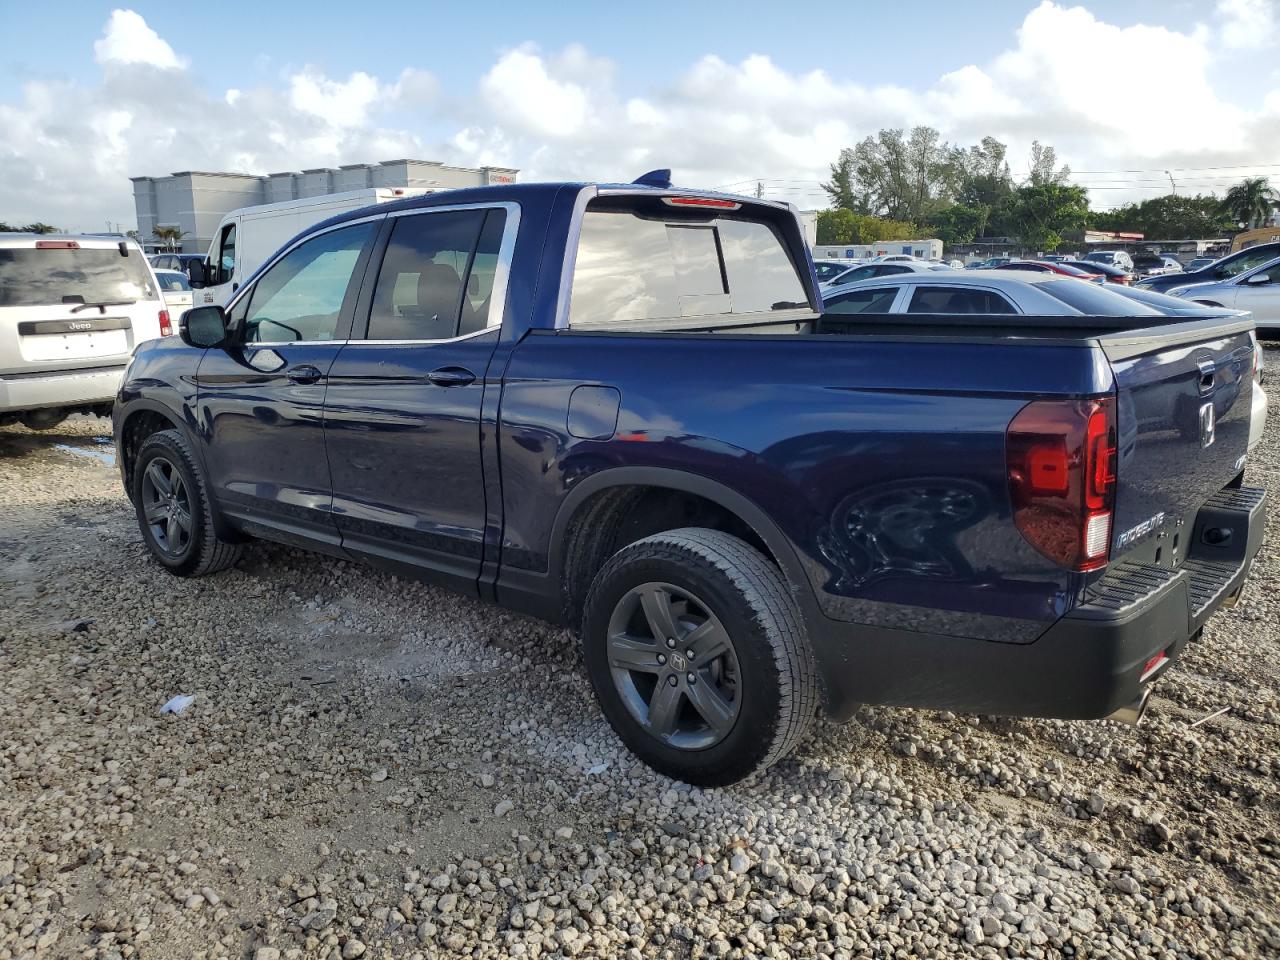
{"x": 1207, "y": 369}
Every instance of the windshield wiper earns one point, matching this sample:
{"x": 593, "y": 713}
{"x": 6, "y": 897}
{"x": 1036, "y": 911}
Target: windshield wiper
{"x": 103, "y": 303}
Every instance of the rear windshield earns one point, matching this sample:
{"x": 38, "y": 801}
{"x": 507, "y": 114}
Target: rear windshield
{"x": 31, "y": 277}
{"x": 171, "y": 281}
{"x": 635, "y": 268}
{"x": 1094, "y": 300}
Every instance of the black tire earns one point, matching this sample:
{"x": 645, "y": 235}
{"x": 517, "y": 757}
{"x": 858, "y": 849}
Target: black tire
{"x": 770, "y": 685}
{"x": 196, "y": 550}
{"x": 43, "y": 419}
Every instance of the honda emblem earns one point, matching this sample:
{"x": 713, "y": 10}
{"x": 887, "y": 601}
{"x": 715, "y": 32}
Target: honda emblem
{"x": 1207, "y": 425}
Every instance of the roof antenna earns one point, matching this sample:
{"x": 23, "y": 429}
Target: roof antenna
{"x": 655, "y": 178}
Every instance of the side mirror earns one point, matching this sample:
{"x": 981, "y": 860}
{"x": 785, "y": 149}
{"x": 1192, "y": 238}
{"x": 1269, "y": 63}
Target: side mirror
{"x": 1258, "y": 279}
{"x": 204, "y": 327}
{"x": 197, "y": 274}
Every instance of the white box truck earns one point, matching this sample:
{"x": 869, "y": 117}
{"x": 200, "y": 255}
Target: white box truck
{"x": 247, "y": 237}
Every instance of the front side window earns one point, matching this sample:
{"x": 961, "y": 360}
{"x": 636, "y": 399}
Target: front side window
{"x": 631, "y": 267}
{"x": 1245, "y": 261}
{"x": 874, "y": 300}
{"x": 962, "y": 300}
{"x": 300, "y": 297}
{"x": 227, "y": 252}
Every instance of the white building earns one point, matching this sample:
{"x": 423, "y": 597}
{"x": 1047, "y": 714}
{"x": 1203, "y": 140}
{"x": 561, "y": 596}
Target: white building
{"x": 924, "y": 249}
{"x": 196, "y": 202}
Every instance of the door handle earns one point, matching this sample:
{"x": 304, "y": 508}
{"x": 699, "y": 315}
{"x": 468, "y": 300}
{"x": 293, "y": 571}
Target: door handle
{"x": 304, "y": 373}
{"x": 451, "y": 377}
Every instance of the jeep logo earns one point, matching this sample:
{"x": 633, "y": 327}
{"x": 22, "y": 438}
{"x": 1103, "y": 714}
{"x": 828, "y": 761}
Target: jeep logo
{"x": 79, "y": 325}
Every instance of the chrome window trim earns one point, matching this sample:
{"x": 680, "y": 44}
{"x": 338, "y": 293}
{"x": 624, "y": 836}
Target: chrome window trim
{"x": 411, "y": 343}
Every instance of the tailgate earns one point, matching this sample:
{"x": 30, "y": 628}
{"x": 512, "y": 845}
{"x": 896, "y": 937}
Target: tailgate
{"x": 1183, "y": 410}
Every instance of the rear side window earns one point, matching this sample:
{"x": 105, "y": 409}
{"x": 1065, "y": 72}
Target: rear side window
{"x": 1093, "y": 299}
{"x": 32, "y": 277}
{"x": 419, "y": 295}
{"x": 888, "y": 270}
{"x": 875, "y": 300}
{"x": 854, "y": 275}
{"x": 631, "y": 268}
{"x": 959, "y": 300}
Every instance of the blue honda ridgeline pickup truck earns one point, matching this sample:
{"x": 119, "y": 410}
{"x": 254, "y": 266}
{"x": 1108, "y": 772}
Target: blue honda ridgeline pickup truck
{"x": 620, "y": 408}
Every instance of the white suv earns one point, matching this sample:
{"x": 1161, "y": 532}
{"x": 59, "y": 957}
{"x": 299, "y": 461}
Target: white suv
{"x": 72, "y": 310}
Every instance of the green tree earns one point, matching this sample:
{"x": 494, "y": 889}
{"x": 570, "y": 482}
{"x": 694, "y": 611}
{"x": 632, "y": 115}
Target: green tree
{"x": 837, "y": 226}
{"x": 983, "y": 182}
{"x": 840, "y": 188}
{"x": 38, "y": 227}
{"x": 1250, "y": 202}
{"x": 1170, "y": 217}
{"x": 901, "y": 176}
{"x": 169, "y": 236}
{"x": 1041, "y": 213}
{"x": 843, "y": 226}
{"x": 957, "y": 223}
{"x": 1044, "y": 166}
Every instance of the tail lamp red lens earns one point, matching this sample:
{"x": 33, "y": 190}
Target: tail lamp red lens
{"x": 166, "y": 327}
{"x": 1061, "y": 458}
{"x": 714, "y": 202}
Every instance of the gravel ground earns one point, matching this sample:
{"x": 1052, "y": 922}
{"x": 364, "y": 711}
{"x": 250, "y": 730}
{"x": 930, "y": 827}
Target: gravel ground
{"x": 373, "y": 767}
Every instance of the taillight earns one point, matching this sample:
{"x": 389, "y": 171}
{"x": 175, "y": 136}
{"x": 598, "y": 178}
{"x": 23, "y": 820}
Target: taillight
{"x": 1061, "y": 459}
{"x": 57, "y": 245}
{"x": 715, "y": 202}
{"x": 166, "y": 328}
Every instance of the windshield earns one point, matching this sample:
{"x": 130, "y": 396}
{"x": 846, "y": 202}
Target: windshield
{"x": 1094, "y": 300}
{"x": 38, "y": 277}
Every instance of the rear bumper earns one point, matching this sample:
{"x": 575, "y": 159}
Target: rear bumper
{"x": 54, "y": 389}
{"x": 1087, "y": 665}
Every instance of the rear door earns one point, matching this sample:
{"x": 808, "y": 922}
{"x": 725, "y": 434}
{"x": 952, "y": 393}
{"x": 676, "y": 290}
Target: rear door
{"x": 1183, "y": 431}
{"x": 402, "y": 411}
{"x": 261, "y": 398}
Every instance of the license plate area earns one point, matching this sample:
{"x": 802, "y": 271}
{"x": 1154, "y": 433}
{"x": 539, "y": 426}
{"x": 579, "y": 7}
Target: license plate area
{"x": 53, "y": 340}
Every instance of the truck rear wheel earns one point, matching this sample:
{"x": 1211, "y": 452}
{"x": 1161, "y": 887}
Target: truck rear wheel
{"x": 697, "y": 656}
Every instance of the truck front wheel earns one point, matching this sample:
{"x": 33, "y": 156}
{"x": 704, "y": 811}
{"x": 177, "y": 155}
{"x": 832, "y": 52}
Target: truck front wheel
{"x": 697, "y": 656}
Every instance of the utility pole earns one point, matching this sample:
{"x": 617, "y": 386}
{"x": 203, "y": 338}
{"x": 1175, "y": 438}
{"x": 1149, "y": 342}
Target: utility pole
{"x": 759, "y": 189}
{"x": 1173, "y": 183}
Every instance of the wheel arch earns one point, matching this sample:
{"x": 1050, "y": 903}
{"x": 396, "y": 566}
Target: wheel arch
{"x": 778, "y": 546}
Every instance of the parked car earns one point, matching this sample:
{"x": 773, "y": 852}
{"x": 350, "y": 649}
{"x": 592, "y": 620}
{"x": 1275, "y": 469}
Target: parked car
{"x": 991, "y": 263}
{"x": 72, "y": 310}
{"x": 176, "y": 292}
{"x": 829, "y": 269}
{"x": 1224, "y": 269}
{"x": 1199, "y": 263}
{"x": 880, "y": 268}
{"x": 1149, "y": 265}
{"x": 1112, "y": 258}
{"x": 173, "y": 261}
{"x": 1109, "y": 273}
{"x": 1173, "y": 264}
{"x": 1256, "y": 290}
{"x": 462, "y": 388}
{"x": 1060, "y": 269}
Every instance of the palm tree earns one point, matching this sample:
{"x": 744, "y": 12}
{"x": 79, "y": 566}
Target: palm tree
{"x": 1250, "y": 202}
{"x": 169, "y": 236}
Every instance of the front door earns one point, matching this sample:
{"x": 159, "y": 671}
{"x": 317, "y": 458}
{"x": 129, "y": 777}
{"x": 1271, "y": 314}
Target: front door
{"x": 402, "y": 411}
{"x": 1261, "y": 298}
{"x": 261, "y": 398}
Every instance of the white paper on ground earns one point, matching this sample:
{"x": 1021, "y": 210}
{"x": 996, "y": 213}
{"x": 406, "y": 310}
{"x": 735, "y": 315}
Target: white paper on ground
{"x": 178, "y": 704}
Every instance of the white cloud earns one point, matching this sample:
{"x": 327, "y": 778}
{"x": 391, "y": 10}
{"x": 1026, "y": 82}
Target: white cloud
{"x": 1248, "y": 24}
{"x": 566, "y": 114}
{"x": 128, "y": 39}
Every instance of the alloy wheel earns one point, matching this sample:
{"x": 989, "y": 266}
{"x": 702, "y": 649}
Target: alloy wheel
{"x": 674, "y": 666}
{"x": 166, "y": 505}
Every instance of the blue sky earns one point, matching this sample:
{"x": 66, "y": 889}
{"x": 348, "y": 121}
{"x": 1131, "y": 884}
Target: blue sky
{"x": 91, "y": 94}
